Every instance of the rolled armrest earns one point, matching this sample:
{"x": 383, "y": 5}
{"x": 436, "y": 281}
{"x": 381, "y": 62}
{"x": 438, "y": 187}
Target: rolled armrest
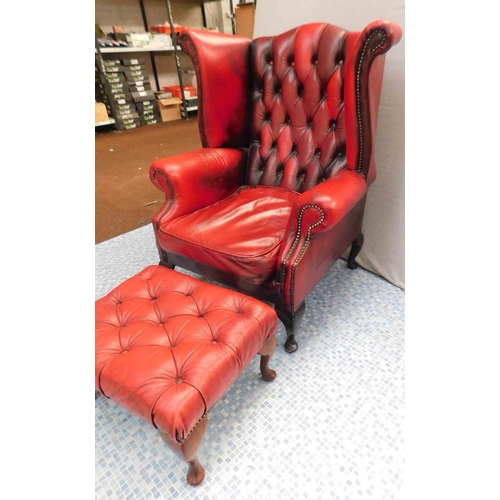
{"x": 221, "y": 64}
{"x": 195, "y": 180}
{"x": 333, "y": 208}
{"x": 321, "y": 207}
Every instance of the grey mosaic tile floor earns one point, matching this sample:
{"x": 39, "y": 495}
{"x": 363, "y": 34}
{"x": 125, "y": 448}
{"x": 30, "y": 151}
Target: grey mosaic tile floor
{"x": 330, "y": 426}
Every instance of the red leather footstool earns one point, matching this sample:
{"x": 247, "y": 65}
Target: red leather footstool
{"x": 168, "y": 346}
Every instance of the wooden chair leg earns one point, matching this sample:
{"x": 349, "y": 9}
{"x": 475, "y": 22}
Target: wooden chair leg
{"x": 291, "y": 322}
{"x": 355, "y": 249}
{"x": 188, "y": 451}
{"x": 266, "y": 354}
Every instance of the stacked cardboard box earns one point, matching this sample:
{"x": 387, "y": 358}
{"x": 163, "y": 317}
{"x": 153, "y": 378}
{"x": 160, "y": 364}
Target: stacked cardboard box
{"x": 120, "y": 97}
{"x": 140, "y": 91}
{"x": 101, "y": 115}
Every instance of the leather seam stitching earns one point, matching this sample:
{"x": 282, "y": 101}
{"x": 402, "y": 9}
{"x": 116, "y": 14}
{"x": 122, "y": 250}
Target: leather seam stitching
{"x": 245, "y": 257}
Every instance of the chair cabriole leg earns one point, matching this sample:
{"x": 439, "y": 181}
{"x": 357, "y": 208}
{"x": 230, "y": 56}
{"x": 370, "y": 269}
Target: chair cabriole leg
{"x": 292, "y": 322}
{"x": 355, "y": 249}
{"x": 266, "y": 354}
{"x": 188, "y": 451}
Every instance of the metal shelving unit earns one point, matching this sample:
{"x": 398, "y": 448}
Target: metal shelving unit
{"x": 177, "y": 60}
{"x": 101, "y": 73}
{"x": 117, "y": 50}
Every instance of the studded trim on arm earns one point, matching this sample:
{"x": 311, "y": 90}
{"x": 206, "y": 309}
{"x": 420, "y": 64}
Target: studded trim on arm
{"x": 376, "y": 39}
{"x": 358, "y": 93}
{"x": 301, "y": 253}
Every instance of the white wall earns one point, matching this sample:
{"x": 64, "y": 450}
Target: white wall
{"x": 218, "y": 15}
{"x": 383, "y": 228}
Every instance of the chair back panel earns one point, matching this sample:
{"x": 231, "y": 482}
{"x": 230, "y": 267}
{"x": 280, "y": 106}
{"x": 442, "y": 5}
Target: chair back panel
{"x": 298, "y": 136}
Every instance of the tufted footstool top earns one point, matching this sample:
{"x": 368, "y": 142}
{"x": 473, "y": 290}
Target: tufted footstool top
{"x": 168, "y": 346}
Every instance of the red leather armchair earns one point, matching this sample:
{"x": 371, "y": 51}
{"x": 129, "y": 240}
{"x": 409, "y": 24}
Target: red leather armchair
{"x": 277, "y": 193}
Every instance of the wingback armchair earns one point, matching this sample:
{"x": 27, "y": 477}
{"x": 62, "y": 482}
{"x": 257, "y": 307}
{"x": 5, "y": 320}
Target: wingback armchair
{"x": 277, "y": 193}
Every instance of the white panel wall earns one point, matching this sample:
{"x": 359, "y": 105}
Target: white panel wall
{"x": 384, "y": 229}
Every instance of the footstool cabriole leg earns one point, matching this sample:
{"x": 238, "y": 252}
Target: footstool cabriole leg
{"x": 188, "y": 451}
{"x": 266, "y": 353}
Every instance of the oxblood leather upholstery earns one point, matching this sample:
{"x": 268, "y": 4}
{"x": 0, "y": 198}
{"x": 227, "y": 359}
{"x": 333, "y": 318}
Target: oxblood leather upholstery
{"x": 242, "y": 233}
{"x": 222, "y": 72}
{"x": 320, "y": 210}
{"x": 298, "y": 130}
{"x": 168, "y": 346}
{"x": 196, "y": 180}
{"x": 302, "y": 107}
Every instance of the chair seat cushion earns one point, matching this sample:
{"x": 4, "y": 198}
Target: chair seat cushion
{"x": 240, "y": 235}
{"x": 168, "y": 346}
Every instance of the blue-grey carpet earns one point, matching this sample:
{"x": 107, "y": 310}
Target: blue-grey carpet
{"x": 330, "y": 426}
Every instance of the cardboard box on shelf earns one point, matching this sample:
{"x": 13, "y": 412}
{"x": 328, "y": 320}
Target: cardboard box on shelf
{"x": 151, "y": 121}
{"x": 170, "y": 109}
{"x": 123, "y": 101}
{"x": 133, "y": 62}
{"x": 189, "y": 90}
{"x": 136, "y": 76}
{"x": 127, "y": 121}
{"x": 136, "y": 67}
{"x": 114, "y": 69}
{"x": 145, "y": 95}
{"x": 153, "y": 102}
{"x": 150, "y": 114}
{"x": 128, "y": 126}
{"x": 145, "y": 106}
{"x": 120, "y": 96}
{"x": 126, "y": 108}
{"x": 101, "y": 114}
{"x": 151, "y": 117}
{"x": 165, "y": 28}
{"x": 162, "y": 94}
{"x": 138, "y": 83}
{"x": 111, "y": 62}
{"x": 133, "y": 115}
{"x": 118, "y": 85}
{"x": 141, "y": 87}
{"x": 115, "y": 77}
{"x": 134, "y": 39}
{"x": 124, "y": 90}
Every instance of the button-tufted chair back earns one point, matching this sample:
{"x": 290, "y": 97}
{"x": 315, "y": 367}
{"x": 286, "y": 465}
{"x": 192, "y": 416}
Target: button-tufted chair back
{"x": 298, "y": 134}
